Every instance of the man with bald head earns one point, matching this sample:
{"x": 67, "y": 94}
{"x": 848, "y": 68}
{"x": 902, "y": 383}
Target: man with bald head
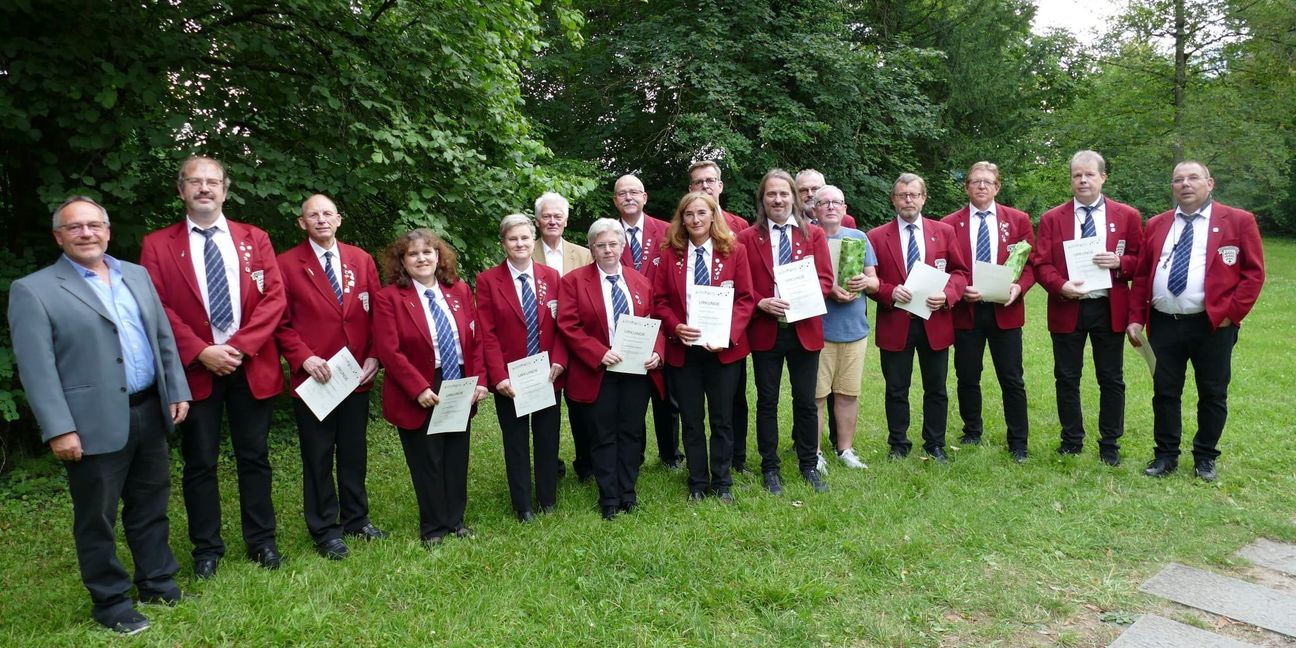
{"x": 1199, "y": 273}
{"x": 808, "y": 183}
{"x": 329, "y": 285}
{"x": 644, "y": 237}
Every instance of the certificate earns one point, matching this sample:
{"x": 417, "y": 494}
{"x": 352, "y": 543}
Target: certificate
{"x": 798, "y": 285}
{"x": 451, "y": 414}
{"x": 1145, "y": 349}
{"x": 1080, "y": 266}
{"x": 710, "y": 308}
{"x": 530, "y": 380}
{"x": 320, "y": 397}
{"x": 994, "y": 281}
{"x": 634, "y": 341}
{"x": 923, "y": 282}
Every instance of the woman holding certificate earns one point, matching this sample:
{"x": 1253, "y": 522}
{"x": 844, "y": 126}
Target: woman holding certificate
{"x": 423, "y": 334}
{"x": 702, "y": 295}
{"x": 615, "y": 351}
{"x": 517, "y": 307}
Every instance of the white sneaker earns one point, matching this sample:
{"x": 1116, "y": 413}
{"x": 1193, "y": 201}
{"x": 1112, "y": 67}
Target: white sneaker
{"x": 822, "y": 464}
{"x": 848, "y": 457}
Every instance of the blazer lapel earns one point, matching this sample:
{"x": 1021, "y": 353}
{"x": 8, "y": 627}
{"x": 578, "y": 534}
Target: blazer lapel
{"x": 243, "y": 264}
{"x": 72, "y": 282}
{"x": 414, "y": 305}
{"x": 510, "y": 294}
{"x": 315, "y": 274}
{"x": 185, "y": 265}
{"x": 594, "y": 293}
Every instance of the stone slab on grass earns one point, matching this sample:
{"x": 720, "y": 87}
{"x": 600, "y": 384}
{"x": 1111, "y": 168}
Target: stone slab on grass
{"x": 1225, "y": 596}
{"x": 1277, "y": 556}
{"x": 1152, "y": 631}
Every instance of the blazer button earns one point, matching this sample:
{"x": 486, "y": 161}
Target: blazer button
{"x": 123, "y": 389}
{"x": 119, "y": 360}
{"x": 114, "y": 330}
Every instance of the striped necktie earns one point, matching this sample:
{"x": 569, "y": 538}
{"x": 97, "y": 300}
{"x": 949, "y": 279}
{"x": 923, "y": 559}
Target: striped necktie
{"x": 450, "y": 369}
{"x": 332, "y": 276}
{"x": 1087, "y": 227}
{"x": 701, "y": 273}
{"x": 218, "y": 298}
{"x": 636, "y": 250}
{"x": 620, "y": 306}
{"x": 785, "y": 245}
{"x": 1180, "y": 254}
{"x": 529, "y": 313}
{"x": 983, "y": 238}
{"x": 911, "y": 256}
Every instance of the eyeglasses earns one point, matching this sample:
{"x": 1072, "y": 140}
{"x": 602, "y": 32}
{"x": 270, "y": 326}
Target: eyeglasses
{"x": 982, "y": 183}
{"x": 211, "y": 183}
{"x": 907, "y": 196}
{"x": 324, "y": 215}
{"x": 628, "y": 192}
{"x": 830, "y": 203}
{"x": 614, "y": 245}
{"x": 94, "y": 227}
{"x": 1183, "y": 180}
{"x": 704, "y": 182}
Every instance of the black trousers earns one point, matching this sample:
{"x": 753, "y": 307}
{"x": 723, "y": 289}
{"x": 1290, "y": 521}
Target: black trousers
{"x": 616, "y": 421}
{"x": 438, "y": 465}
{"x": 517, "y": 433}
{"x": 139, "y": 477}
{"x": 1006, "y": 354}
{"x": 803, "y": 371}
{"x": 741, "y": 412}
{"x": 578, "y": 420}
{"x": 249, "y": 423}
{"x": 340, "y": 437}
{"x": 666, "y": 425}
{"x": 1176, "y": 343}
{"x": 1094, "y": 324}
{"x": 897, "y": 372}
{"x": 704, "y": 387}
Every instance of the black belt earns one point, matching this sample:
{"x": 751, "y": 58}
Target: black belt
{"x": 1181, "y": 316}
{"x": 143, "y": 396}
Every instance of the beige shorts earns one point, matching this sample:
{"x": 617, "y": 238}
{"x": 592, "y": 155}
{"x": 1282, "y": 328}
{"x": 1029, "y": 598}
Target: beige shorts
{"x": 841, "y": 366}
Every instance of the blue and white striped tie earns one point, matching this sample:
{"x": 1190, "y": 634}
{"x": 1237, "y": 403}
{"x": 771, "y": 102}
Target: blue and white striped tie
{"x": 529, "y": 313}
{"x": 785, "y": 244}
{"x": 911, "y": 256}
{"x": 701, "y": 273}
{"x": 1087, "y": 227}
{"x": 619, "y": 304}
{"x": 636, "y": 250}
{"x": 332, "y": 276}
{"x": 445, "y": 340}
{"x": 983, "y": 238}
{"x": 218, "y": 298}
{"x": 1179, "y": 258}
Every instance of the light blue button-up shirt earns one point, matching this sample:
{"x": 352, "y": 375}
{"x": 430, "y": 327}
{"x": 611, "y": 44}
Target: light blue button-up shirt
{"x": 137, "y": 353}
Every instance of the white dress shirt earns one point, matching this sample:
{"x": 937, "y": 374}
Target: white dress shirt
{"x": 992, "y": 225}
{"x": 514, "y": 273}
{"x": 230, "y": 258}
{"x": 439, "y": 301}
{"x": 335, "y": 261}
{"x": 1193, "y": 298}
{"x": 1100, "y": 229}
{"x": 607, "y": 300}
{"x": 904, "y": 239}
{"x": 554, "y": 257}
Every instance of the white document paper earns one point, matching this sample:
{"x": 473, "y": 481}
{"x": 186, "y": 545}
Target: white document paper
{"x": 322, "y": 398}
{"x": 530, "y": 380}
{"x": 1080, "y": 266}
{"x": 798, "y": 284}
{"x": 1145, "y": 349}
{"x": 834, "y": 254}
{"x": 710, "y": 308}
{"x": 993, "y": 280}
{"x": 451, "y": 414}
{"x": 923, "y": 282}
{"x": 634, "y": 341}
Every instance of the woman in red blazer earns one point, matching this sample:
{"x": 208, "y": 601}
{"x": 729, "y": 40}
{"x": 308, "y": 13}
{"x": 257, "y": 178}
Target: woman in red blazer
{"x": 423, "y": 332}
{"x": 589, "y": 301}
{"x": 517, "y": 307}
{"x": 700, "y": 250}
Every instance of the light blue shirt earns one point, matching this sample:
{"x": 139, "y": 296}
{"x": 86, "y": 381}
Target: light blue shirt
{"x": 849, "y": 322}
{"x": 137, "y": 353}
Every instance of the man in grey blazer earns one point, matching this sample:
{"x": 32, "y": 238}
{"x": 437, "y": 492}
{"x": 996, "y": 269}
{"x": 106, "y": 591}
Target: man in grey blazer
{"x": 99, "y": 365}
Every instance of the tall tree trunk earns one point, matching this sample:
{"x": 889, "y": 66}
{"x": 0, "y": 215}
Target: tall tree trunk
{"x": 1180, "y": 80}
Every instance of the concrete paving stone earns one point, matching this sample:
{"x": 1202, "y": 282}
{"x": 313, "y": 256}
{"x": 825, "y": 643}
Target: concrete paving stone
{"x": 1152, "y": 631}
{"x": 1225, "y": 596}
{"x": 1278, "y": 556}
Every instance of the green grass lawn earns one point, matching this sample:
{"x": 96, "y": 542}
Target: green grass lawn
{"x": 982, "y": 552}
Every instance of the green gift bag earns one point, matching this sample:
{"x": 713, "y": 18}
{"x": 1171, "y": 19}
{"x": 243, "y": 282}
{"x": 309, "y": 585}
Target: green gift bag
{"x": 1017, "y": 258}
{"x": 851, "y": 261}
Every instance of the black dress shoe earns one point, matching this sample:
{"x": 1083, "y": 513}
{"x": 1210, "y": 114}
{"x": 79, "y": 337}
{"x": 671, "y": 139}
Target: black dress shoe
{"x": 548, "y": 508}
{"x": 367, "y": 532}
{"x": 816, "y": 482}
{"x": 526, "y": 516}
{"x": 740, "y": 468}
{"x": 1161, "y": 467}
{"x": 897, "y": 454}
{"x": 610, "y": 512}
{"x": 267, "y": 556}
{"x": 431, "y": 541}
{"x": 333, "y": 549}
{"x": 1069, "y": 449}
{"x": 773, "y": 483}
{"x": 725, "y": 497}
{"x": 971, "y": 439}
{"x": 630, "y": 507}
{"x": 169, "y": 598}
{"x": 671, "y": 464}
{"x": 938, "y": 455}
{"x": 205, "y": 568}
{"x": 465, "y": 532}
{"x": 128, "y": 622}
{"x": 696, "y": 496}
{"x": 1205, "y": 469}
{"x": 1018, "y": 456}
{"x": 1110, "y": 457}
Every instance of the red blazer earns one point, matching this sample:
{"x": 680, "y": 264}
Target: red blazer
{"x": 1124, "y": 234}
{"x": 653, "y": 234}
{"x": 849, "y": 221}
{"x": 669, "y": 291}
{"x": 807, "y": 240}
{"x": 403, "y": 343}
{"x": 735, "y": 222}
{"x": 313, "y": 323}
{"x": 1234, "y": 265}
{"x": 165, "y": 253}
{"x": 892, "y": 330}
{"x": 503, "y": 336}
{"x": 1014, "y": 227}
{"x": 582, "y": 322}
